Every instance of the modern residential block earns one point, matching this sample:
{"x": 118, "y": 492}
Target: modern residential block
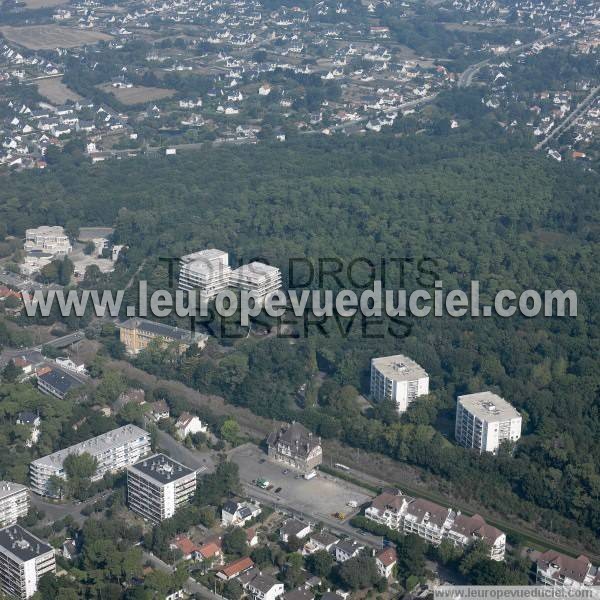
{"x": 484, "y": 421}
{"x": 256, "y": 277}
{"x": 24, "y": 558}
{"x": 296, "y": 446}
{"x": 113, "y": 450}
{"x": 158, "y": 485}
{"x": 48, "y": 240}
{"x": 434, "y": 523}
{"x": 206, "y": 271}
{"x": 58, "y": 383}
{"x": 399, "y": 379}
{"x": 558, "y": 570}
{"x": 14, "y": 502}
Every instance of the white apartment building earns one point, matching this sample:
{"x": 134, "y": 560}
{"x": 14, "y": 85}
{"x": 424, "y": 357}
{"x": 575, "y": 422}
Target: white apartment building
{"x": 399, "y": 379}
{"x": 256, "y": 277}
{"x": 23, "y": 560}
{"x": 47, "y": 240}
{"x": 207, "y": 271}
{"x": 14, "y": 502}
{"x": 484, "y": 421}
{"x": 434, "y": 523}
{"x": 157, "y": 486}
{"x": 113, "y": 450}
{"x": 561, "y": 571}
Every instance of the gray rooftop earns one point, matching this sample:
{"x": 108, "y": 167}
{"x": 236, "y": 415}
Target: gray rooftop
{"x": 21, "y": 544}
{"x": 206, "y": 256}
{"x": 488, "y": 406}
{"x": 8, "y": 488}
{"x": 94, "y": 446}
{"x": 399, "y": 368}
{"x": 162, "y": 330}
{"x": 161, "y": 468}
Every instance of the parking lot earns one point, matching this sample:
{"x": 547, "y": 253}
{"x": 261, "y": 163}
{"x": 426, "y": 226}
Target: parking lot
{"x": 319, "y": 498}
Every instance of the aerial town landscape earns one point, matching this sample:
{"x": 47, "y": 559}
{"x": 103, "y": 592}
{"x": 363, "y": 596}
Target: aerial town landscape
{"x": 250, "y": 148}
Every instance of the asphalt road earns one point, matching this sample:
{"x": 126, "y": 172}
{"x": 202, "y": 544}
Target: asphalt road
{"x": 54, "y": 511}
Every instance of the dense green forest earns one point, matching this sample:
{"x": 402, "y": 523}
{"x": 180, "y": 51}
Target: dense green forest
{"x": 482, "y": 205}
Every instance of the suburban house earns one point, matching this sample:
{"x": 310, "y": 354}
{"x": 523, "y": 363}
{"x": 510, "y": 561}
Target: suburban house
{"x": 159, "y": 410}
{"x": 294, "y": 528}
{"x": 261, "y": 586}
{"x": 238, "y": 513}
{"x": 346, "y": 549}
{"x": 189, "y": 424}
{"x": 235, "y": 568}
{"x": 295, "y": 446}
{"x": 386, "y": 561}
{"x": 319, "y": 540}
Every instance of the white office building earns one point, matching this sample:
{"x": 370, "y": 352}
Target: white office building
{"x": 157, "y": 486}
{"x": 399, "y": 379}
{"x": 47, "y": 240}
{"x": 484, "y": 421}
{"x": 24, "y": 559}
{"x": 207, "y": 271}
{"x": 256, "y": 277}
{"x": 14, "y": 502}
{"x": 113, "y": 450}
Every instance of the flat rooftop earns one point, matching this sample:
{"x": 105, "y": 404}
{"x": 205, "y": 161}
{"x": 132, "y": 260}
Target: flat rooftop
{"x": 206, "y": 256}
{"x": 488, "y": 406}
{"x": 161, "y": 468}
{"x": 21, "y": 544}
{"x": 94, "y": 446}
{"x": 399, "y": 367}
{"x": 60, "y": 380}
{"x": 8, "y": 488}
{"x": 256, "y": 271}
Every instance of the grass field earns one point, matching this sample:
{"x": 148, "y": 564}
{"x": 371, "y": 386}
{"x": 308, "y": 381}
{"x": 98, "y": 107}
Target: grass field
{"x": 137, "y": 94}
{"x": 48, "y": 37}
{"x": 56, "y": 91}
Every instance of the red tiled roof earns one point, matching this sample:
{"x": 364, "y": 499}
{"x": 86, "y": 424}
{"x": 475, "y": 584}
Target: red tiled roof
{"x": 237, "y": 567}
{"x": 387, "y": 556}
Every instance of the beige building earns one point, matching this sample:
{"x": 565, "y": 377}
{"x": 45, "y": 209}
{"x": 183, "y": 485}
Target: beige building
{"x": 295, "y": 446}
{"x": 137, "y": 333}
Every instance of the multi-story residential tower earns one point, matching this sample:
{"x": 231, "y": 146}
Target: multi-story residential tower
{"x": 23, "y": 560}
{"x": 14, "y": 502}
{"x": 256, "y": 277}
{"x": 399, "y": 379}
{"x": 48, "y": 240}
{"x": 157, "y": 486}
{"x": 113, "y": 451}
{"x": 484, "y": 421}
{"x": 207, "y": 271}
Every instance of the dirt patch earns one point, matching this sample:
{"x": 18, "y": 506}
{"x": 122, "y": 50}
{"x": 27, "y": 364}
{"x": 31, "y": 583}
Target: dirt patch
{"x": 56, "y": 91}
{"x": 137, "y": 94}
{"x": 49, "y": 37}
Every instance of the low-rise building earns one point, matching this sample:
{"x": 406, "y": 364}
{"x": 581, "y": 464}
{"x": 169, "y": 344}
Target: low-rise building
{"x": 24, "y": 559}
{"x": 261, "y": 586}
{"x": 386, "y": 561}
{"x": 347, "y": 549}
{"x": 484, "y": 421}
{"x": 292, "y": 528}
{"x": 319, "y": 540}
{"x": 295, "y": 446}
{"x": 235, "y": 568}
{"x": 465, "y": 530}
{"x": 158, "y": 486}
{"x": 58, "y": 383}
{"x": 14, "y": 502}
{"x": 189, "y": 424}
{"x": 113, "y": 451}
{"x": 398, "y": 379}
{"x": 137, "y": 333}
{"x": 238, "y": 513}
